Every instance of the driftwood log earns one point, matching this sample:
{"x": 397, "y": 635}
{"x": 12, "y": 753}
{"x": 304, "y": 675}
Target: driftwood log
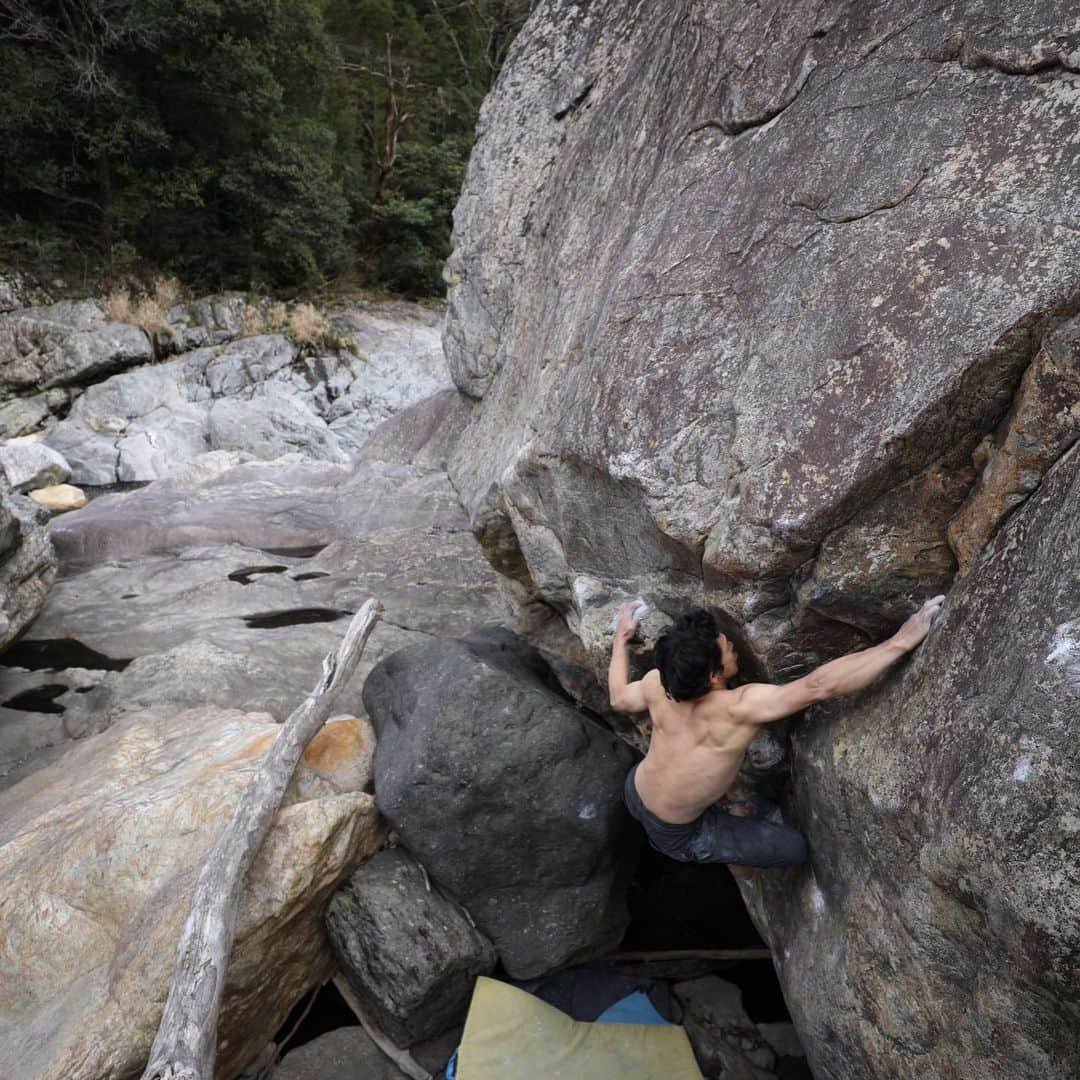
{"x": 186, "y": 1042}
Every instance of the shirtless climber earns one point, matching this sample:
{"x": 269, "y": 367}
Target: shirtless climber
{"x": 701, "y": 729}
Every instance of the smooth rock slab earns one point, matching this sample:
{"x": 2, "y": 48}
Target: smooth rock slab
{"x": 99, "y": 853}
{"x": 410, "y": 954}
{"x": 726, "y": 275}
{"x": 509, "y": 796}
{"x": 227, "y": 583}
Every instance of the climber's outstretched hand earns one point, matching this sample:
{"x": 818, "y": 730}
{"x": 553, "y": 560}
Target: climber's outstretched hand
{"x": 917, "y": 626}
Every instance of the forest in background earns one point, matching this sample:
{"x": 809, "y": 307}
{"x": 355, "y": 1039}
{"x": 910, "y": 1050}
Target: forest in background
{"x": 270, "y": 144}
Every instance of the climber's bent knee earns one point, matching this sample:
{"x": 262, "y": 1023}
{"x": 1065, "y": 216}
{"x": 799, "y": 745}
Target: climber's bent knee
{"x": 721, "y": 837}
{"x": 747, "y": 841}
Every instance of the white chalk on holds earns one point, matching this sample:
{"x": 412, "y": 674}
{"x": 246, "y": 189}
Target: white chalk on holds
{"x": 640, "y": 609}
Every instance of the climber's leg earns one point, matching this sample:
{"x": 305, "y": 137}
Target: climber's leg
{"x": 746, "y": 840}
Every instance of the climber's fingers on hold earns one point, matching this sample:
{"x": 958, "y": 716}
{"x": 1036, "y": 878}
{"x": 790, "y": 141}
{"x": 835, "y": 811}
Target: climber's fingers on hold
{"x": 627, "y": 623}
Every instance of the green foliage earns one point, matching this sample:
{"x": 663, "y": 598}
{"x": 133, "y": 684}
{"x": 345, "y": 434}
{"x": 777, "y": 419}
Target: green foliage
{"x": 234, "y": 141}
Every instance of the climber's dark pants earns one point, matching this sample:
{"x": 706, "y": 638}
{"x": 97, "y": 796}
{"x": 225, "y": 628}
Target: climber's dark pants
{"x": 718, "y": 836}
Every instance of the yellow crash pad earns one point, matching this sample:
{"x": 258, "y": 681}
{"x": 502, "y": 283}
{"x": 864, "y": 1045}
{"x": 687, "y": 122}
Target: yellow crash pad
{"x": 511, "y": 1035}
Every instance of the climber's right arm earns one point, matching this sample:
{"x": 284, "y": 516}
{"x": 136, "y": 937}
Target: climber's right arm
{"x": 761, "y": 703}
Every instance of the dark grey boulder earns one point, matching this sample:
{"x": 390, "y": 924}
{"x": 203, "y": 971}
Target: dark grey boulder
{"x": 344, "y": 1054}
{"x": 411, "y": 954}
{"x": 509, "y": 795}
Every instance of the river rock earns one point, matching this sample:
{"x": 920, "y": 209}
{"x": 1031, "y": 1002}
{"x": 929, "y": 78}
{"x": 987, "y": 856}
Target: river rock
{"x": 941, "y": 811}
{"x": 32, "y": 465}
{"x": 65, "y": 343}
{"x": 27, "y": 562}
{"x": 509, "y": 796}
{"x": 59, "y": 498}
{"x": 707, "y": 328}
{"x": 344, "y": 1054}
{"x": 210, "y": 320}
{"x": 99, "y": 853}
{"x": 269, "y": 427}
{"x": 401, "y": 346}
{"x": 726, "y": 1042}
{"x": 22, "y": 415}
{"x": 411, "y": 954}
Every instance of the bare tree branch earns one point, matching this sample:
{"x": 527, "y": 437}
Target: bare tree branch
{"x": 80, "y": 31}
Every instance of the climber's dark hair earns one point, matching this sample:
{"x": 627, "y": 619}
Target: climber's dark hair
{"x": 687, "y": 655}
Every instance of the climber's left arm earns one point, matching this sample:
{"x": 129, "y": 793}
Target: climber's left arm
{"x": 626, "y": 696}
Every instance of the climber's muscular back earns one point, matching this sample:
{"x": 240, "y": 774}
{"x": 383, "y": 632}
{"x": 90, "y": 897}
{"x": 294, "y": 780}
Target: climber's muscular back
{"x": 698, "y": 746}
{"x": 696, "y": 750}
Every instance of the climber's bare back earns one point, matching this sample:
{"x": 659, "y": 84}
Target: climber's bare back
{"x": 695, "y": 754}
{"x": 698, "y": 745}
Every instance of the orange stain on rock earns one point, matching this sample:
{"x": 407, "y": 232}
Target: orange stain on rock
{"x": 335, "y": 745}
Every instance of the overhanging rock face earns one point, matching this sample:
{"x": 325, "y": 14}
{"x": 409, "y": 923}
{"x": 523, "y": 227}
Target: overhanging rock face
{"x": 938, "y": 933}
{"x": 727, "y": 278}
{"x": 773, "y": 308}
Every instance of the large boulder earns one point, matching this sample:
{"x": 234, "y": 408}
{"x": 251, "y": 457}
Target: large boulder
{"x": 411, "y": 954}
{"x": 68, "y": 343}
{"x": 937, "y": 932}
{"x": 764, "y": 307}
{"x": 99, "y": 854}
{"x": 719, "y": 302}
{"x": 508, "y": 795}
{"x": 401, "y": 346}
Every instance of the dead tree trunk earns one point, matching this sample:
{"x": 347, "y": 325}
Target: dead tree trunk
{"x": 186, "y": 1042}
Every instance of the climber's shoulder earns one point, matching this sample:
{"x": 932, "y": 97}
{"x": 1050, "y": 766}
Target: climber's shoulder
{"x": 762, "y": 703}
{"x": 650, "y": 683}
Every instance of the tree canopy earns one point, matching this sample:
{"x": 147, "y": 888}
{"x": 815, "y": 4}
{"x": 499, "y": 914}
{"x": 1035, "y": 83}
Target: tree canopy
{"x": 243, "y": 142}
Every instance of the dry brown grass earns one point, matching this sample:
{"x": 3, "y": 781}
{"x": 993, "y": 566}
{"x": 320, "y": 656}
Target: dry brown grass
{"x": 253, "y": 321}
{"x": 168, "y": 292}
{"x": 277, "y": 316}
{"x": 263, "y": 318}
{"x": 150, "y": 314}
{"x": 118, "y": 305}
{"x": 308, "y": 325}
{"x": 150, "y": 310}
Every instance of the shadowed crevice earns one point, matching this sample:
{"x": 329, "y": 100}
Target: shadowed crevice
{"x": 272, "y": 620}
